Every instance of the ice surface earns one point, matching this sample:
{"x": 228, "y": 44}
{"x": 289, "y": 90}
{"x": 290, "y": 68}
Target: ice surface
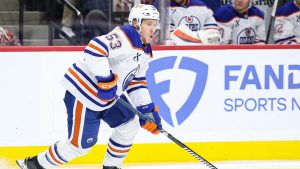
{"x": 219, "y": 165}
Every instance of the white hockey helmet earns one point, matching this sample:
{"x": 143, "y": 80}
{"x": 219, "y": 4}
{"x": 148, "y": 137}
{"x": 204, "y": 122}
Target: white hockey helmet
{"x": 143, "y": 11}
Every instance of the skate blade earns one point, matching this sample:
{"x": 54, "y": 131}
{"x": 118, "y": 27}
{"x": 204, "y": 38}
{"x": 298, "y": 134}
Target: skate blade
{"x": 21, "y": 164}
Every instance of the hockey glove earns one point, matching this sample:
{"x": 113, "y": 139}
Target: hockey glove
{"x": 107, "y": 87}
{"x": 152, "y": 125}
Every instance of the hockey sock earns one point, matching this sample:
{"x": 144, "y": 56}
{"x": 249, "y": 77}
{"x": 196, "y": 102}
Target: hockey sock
{"x": 60, "y": 153}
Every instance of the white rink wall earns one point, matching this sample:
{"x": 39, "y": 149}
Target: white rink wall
{"x": 236, "y": 94}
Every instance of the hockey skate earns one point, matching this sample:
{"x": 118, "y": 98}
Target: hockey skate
{"x": 29, "y": 163}
{"x": 110, "y": 167}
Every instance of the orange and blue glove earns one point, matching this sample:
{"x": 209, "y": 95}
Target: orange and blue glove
{"x": 107, "y": 87}
{"x": 153, "y": 122}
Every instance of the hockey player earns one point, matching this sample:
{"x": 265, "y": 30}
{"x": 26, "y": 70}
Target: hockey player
{"x": 195, "y": 16}
{"x": 111, "y": 64}
{"x": 241, "y": 23}
{"x": 287, "y": 24}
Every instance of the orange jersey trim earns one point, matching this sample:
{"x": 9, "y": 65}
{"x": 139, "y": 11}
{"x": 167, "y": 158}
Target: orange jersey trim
{"x": 134, "y": 83}
{"x": 97, "y": 49}
{"x": 85, "y": 85}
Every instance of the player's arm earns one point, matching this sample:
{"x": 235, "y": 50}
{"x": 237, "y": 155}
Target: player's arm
{"x": 224, "y": 26}
{"x": 172, "y": 26}
{"x": 225, "y": 31}
{"x": 260, "y": 32}
{"x": 138, "y": 90}
{"x": 210, "y": 22}
{"x": 95, "y": 58}
{"x": 140, "y": 97}
{"x": 283, "y": 33}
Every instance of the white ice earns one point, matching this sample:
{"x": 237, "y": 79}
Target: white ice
{"x": 219, "y": 165}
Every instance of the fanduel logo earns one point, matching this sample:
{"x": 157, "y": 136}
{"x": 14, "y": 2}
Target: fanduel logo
{"x": 168, "y": 66}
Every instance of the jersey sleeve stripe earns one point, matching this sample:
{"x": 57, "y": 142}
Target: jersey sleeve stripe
{"x": 140, "y": 83}
{"x": 84, "y": 93}
{"x": 102, "y": 52}
{"x": 211, "y": 24}
{"x": 92, "y": 53}
{"x": 285, "y": 39}
{"x": 85, "y": 76}
{"x": 136, "y": 88}
{"x": 90, "y": 90}
{"x": 101, "y": 44}
{"x": 82, "y": 82}
{"x": 139, "y": 78}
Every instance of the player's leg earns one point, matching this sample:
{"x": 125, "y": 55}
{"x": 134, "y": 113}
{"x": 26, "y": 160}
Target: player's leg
{"x": 126, "y": 126}
{"x": 110, "y": 167}
{"x": 83, "y": 127}
{"x": 120, "y": 143}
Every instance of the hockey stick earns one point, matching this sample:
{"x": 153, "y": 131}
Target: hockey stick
{"x": 272, "y": 19}
{"x": 164, "y": 132}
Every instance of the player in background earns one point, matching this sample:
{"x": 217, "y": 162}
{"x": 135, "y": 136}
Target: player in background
{"x": 190, "y": 17}
{"x": 8, "y": 38}
{"x": 287, "y": 23}
{"x": 241, "y": 23}
{"x": 111, "y": 64}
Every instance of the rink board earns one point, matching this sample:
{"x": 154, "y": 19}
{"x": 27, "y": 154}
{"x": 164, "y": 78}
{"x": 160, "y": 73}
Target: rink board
{"x": 227, "y": 103}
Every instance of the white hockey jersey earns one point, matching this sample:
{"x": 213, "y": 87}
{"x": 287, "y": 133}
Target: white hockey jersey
{"x": 236, "y": 28}
{"x": 123, "y": 53}
{"x": 195, "y": 15}
{"x": 287, "y": 24}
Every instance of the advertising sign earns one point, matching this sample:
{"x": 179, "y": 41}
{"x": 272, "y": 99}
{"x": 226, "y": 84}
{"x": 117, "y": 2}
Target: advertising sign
{"x": 203, "y": 95}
